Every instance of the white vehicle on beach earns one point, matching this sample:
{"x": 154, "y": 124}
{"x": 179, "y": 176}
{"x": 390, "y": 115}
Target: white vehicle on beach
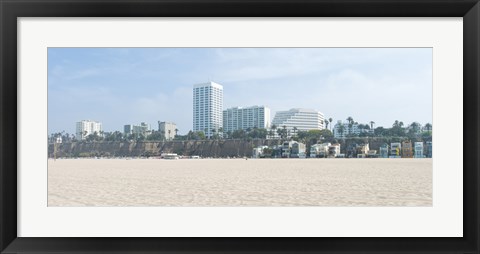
{"x": 170, "y": 156}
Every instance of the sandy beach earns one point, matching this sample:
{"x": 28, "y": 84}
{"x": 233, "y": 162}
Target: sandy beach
{"x": 240, "y": 182}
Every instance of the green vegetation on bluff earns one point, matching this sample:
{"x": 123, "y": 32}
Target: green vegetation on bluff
{"x": 412, "y": 132}
{"x": 224, "y": 144}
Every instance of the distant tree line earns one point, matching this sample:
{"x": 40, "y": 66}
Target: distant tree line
{"x": 398, "y": 129}
{"x": 412, "y": 131}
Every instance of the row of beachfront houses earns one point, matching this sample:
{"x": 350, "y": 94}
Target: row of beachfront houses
{"x": 406, "y": 149}
{"x": 294, "y": 149}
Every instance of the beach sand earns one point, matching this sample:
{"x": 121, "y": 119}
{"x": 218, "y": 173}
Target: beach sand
{"x": 240, "y": 182}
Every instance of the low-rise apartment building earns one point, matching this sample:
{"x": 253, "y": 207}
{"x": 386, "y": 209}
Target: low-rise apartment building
{"x": 395, "y": 150}
{"x": 418, "y": 150}
{"x": 407, "y": 149}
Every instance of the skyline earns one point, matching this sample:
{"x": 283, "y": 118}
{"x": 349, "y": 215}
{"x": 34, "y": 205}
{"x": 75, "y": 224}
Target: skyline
{"x": 118, "y": 86}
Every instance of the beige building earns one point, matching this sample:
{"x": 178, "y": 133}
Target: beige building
{"x": 362, "y": 150}
{"x": 168, "y": 129}
{"x": 407, "y": 149}
{"x": 334, "y": 150}
{"x": 141, "y": 129}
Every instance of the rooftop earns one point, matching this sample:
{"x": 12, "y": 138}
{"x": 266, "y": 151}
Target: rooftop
{"x": 208, "y": 84}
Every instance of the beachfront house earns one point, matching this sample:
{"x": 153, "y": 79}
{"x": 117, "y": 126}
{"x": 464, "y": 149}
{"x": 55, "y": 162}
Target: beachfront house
{"x": 333, "y": 150}
{"x": 319, "y": 150}
{"x": 362, "y": 150}
{"x": 314, "y": 150}
{"x": 407, "y": 149}
{"x": 298, "y": 150}
{"x": 418, "y": 150}
{"x": 428, "y": 152}
{"x": 287, "y": 148}
{"x": 372, "y": 154}
{"x": 384, "y": 151}
{"x": 258, "y": 152}
{"x": 277, "y": 151}
{"x": 351, "y": 151}
{"x": 395, "y": 150}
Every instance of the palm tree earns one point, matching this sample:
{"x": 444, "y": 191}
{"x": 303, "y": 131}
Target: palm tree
{"x": 350, "y": 123}
{"x": 280, "y": 133}
{"x": 274, "y": 127}
{"x": 396, "y": 124}
{"x": 341, "y": 129}
{"x": 270, "y": 133}
{"x": 397, "y": 128}
{"x": 169, "y": 131}
{"x": 428, "y": 126}
{"x": 330, "y": 120}
{"x": 220, "y": 131}
{"x": 350, "y": 120}
{"x": 294, "y": 130}
{"x": 371, "y": 124}
{"x": 415, "y": 127}
{"x": 326, "y": 125}
{"x": 213, "y": 132}
{"x": 176, "y": 132}
{"x": 95, "y": 136}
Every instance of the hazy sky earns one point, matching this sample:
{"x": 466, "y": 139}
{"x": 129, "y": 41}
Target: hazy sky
{"x": 119, "y": 86}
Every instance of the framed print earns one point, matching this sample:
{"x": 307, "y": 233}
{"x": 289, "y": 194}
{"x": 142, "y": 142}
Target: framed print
{"x": 224, "y": 126}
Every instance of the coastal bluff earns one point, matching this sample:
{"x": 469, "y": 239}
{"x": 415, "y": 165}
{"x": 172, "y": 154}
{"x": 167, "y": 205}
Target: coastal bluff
{"x": 203, "y": 148}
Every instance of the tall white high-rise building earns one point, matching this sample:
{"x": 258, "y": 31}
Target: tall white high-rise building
{"x": 207, "y": 107}
{"x": 302, "y": 119}
{"x": 87, "y": 127}
{"x": 239, "y": 118}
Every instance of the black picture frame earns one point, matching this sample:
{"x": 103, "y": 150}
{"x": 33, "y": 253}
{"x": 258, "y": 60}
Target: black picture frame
{"x": 10, "y": 10}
